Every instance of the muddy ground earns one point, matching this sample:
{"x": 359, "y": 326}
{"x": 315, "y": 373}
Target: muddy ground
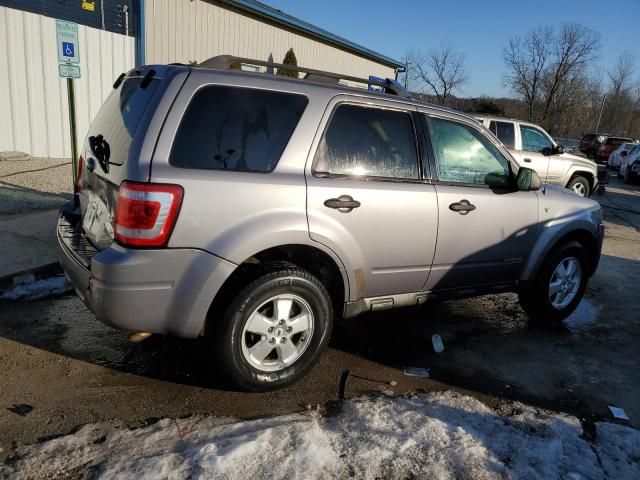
{"x": 72, "y": 370}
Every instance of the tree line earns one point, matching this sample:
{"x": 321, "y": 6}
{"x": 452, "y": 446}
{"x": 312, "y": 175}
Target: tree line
{"x": 555, "y": 77}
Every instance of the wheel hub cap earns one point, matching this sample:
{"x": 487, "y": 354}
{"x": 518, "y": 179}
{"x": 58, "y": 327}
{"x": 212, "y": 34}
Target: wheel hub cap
{"x": 276, "y": 333}
{"x": 565, "y": 282}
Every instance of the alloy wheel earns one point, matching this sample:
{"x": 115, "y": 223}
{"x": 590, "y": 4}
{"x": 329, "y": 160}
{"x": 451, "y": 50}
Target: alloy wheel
{"x": 565, "y": 282}
{"x": 277, "y": 333}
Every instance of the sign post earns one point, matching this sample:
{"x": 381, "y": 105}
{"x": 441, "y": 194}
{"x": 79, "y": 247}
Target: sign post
{"x": 69, "y": 68}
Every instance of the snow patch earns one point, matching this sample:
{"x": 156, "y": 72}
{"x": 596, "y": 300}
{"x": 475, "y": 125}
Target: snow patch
{"x": 38, "y": 289}
{"x": 442, "y": 435}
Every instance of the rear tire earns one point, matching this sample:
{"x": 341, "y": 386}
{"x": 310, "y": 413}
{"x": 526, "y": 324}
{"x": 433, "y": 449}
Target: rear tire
{"x": 543, "y": 298}
{"x": 580, "y": 185}
{"x": 259, "y": 345}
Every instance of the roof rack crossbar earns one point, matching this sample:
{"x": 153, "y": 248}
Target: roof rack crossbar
{"x": 225, "y": 62}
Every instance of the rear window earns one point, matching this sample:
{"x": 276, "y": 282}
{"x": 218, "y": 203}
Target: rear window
{"x": 232, "y": 128}
{"x": 119, "y": 117}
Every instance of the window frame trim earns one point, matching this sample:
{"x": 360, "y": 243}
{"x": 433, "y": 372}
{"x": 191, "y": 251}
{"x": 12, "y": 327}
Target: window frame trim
{"x": 375, "y": 178}
{"x": 494, "y": 141}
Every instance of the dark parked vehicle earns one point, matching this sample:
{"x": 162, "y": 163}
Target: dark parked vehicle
{"x": 591, "y": 142}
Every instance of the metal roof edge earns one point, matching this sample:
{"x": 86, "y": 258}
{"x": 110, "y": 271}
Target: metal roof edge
{"x": 265, "y": 11}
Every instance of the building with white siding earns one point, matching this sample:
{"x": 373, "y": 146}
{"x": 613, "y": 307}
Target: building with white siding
{"x": 116, "y": 35}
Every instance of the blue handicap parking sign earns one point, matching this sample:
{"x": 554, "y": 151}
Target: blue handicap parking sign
{"x": 68, "y": 49}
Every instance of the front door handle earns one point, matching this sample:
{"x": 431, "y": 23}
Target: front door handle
{"x": 462, "y": 207}
{"x": 527, "y": 160}
{"x": 344, "y": 203}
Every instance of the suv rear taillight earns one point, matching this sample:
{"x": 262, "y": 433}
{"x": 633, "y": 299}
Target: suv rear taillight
{"x": 146, "y": 213}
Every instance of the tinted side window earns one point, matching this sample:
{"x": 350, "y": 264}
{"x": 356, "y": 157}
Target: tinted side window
{"x": 465, "y": 155}
{"x": 367, "y": 141}
{"x": 230, "y": 128}
{"x": 505, "y": 132}
{"x": 533, "y": 140}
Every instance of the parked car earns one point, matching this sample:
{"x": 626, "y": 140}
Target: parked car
{"x": 591, "y": 142}
{"x": 532, "y": 147}
{"x": 619, "y": 153}
{"x": 609, "y": 145}
{"x": 253, "y": 209}
{"x": 625, "y": 171}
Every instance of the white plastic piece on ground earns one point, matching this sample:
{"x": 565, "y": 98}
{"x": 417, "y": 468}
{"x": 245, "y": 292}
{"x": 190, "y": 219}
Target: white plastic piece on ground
{"x": 438, "y": 346}
{"x": 38, "y": 289}
{"x": 618, "y": 413}
{"x": 443, "y": 435}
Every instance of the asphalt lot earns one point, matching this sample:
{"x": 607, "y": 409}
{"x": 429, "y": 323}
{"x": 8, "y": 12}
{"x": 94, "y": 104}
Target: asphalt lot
{"x": 55, "y": 357}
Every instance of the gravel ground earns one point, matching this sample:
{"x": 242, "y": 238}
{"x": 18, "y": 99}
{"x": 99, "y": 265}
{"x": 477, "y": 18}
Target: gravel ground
{"x": 36, "y": 184}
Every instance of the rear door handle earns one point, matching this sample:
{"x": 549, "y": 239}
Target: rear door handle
{"x": 344, "y": 203}
{"x": 527, "y": 160}
{"x": 462, "y": 207}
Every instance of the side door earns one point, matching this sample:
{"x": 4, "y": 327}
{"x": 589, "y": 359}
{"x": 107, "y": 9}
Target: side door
{"x": 535, "y": 153}
{"x": 486, "y": 227}
{"x": 366, "y": 197}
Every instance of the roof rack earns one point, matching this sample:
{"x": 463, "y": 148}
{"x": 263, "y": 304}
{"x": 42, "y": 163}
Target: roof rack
{"x": 225, "y": 62}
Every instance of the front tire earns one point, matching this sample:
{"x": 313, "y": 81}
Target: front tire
{"x": 559, "y": 285}
{"x": 580, "y": 185}
{"x": 274, "y": 330}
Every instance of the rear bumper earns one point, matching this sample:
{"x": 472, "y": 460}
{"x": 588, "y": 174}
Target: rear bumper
{"x": 157, "y": 291}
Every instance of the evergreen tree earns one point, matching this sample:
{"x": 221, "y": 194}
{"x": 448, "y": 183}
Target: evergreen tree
{"x": 289, "y": 59}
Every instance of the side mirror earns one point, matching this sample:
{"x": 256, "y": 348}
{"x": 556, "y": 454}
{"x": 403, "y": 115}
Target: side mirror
{"x": 528, "y": 180}
{"x": 558, "y": 150}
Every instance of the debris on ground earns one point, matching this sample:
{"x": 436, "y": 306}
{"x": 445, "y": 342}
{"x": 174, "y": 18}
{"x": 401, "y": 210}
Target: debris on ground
{"x": 438, "y": 435}
{"x": 438, "y": 345}
{"x": 39, "y": 289}
{"x": 416, "y": 372}
{"x": 21, "y": 409}
{"x": 618, "y": 413}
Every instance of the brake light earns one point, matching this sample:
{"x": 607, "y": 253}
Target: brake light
{"x": 146, "y": 213}
{"x": 76, "y": 186}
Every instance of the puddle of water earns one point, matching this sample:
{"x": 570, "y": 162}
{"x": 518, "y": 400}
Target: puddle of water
{"x": 582, "y": 317}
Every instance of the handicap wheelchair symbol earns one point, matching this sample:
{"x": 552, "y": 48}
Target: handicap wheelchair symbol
{"x": 68, "y": 49}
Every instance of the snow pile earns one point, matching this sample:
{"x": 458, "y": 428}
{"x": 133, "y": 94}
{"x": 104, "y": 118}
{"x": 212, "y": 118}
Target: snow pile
{"x": 38, "y": 289}
{"x": 443, "y": 435}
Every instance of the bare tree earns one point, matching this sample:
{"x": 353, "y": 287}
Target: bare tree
{"x": 621, "y": 74}
{"x": 527, "y": 58}
{"x": 574, "y": 48}
{"x": 441, "y": 70}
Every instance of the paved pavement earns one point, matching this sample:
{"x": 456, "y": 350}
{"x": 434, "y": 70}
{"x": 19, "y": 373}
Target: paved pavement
{"x": 55, "y": 357}
{"x": 27, "y": 242}
{"x": 35, "y": 184}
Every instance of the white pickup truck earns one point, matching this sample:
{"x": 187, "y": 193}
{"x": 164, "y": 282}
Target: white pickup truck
{"x": 534, "y": 148}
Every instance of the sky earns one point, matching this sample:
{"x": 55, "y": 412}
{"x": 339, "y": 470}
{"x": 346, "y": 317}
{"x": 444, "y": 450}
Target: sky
{"x": 478, "y": 29}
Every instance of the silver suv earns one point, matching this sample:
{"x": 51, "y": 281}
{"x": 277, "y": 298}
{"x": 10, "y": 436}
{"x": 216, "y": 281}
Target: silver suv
{"x": 531, "y": 146}
{"x": 254, "y": 209}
